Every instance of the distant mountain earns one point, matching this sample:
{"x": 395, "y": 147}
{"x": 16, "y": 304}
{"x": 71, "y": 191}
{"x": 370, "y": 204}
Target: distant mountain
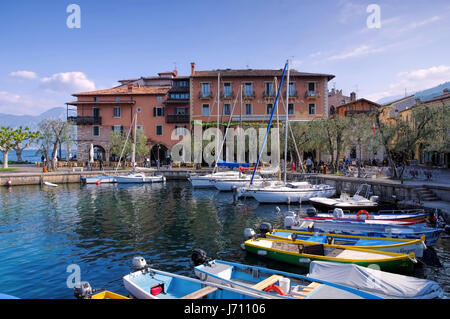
{"x": 31, "y": 120}
{"x": 433, "y": 92}
{"x": 424, "y": 95}
{"x": 389, "y": 99}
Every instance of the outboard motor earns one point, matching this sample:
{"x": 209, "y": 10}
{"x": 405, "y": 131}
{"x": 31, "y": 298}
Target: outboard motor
{"x": 82, "y": 290}
{"x": 249, "y": 233}
{"x": 265, "y": 228}
{"x": 199, "y": 257}
{"x": 138, "y": 263}
{"x": 290, "y": 220}
{"x": 311, "y": 211}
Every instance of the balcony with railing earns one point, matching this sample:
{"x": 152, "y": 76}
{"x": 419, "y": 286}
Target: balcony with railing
{"x": 205, "y": 95}
{"x": 249, "y": 94}
{"x": 227, "y": 95}
{"x": 269, "y": 94}
{"x": 312, "y": 95}
{"x": 292, "y": 94}
{"x": 177, "y": 118}
{"x": 85, "y": 120}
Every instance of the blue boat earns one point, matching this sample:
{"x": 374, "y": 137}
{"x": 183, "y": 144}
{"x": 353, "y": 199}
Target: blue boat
{"x": 280, "y": 284}
{"x": 149, "y": 283}
{"x": 294, "y": 222}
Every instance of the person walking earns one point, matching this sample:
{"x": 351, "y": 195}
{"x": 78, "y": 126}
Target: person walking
{"x": 308, "y": 165}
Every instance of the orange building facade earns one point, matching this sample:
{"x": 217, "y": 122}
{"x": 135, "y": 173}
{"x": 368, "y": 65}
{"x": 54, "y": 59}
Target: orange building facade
{"x": 168, "y": 103}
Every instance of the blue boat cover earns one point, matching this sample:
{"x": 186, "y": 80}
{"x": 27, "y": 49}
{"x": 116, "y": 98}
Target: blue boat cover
{"x": 223, "y": 163}
{"x": 381, "y": 283}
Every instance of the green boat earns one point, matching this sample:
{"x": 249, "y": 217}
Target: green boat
{"x": 301, "y": 254}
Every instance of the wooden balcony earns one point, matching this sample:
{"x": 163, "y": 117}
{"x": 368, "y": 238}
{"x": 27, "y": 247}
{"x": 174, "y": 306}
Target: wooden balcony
{"x": 85, "y": 120}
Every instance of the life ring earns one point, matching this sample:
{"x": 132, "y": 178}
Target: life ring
{"x": 362, "y": 211}
{"x": 276, "y": 288}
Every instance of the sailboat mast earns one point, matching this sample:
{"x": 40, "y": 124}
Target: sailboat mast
{"x": 133, "y": 148}
{"x": 287, "y": 122}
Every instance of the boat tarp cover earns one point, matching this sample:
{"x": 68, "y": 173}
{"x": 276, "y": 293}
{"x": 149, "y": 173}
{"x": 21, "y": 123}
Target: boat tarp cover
{"x": 378, "y": 282}
{"x": 223, "y": 163}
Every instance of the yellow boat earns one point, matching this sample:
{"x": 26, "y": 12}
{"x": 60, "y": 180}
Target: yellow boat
{"x": 105, "y": 294}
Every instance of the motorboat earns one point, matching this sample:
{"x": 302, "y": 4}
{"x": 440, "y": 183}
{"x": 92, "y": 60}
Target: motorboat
{"x": 361, "y": 200}
{"x": 280, "y": 284}
{"x": 371, "y": 228}
{"x": 281, "y": 192}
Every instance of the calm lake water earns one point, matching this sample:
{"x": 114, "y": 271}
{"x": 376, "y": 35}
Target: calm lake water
{"x": 101, "y": 228}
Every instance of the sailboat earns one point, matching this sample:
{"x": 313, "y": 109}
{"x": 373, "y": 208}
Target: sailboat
{"x": 226, "y": 179}
{"x": 134, "y": 176}
{"x": 282, "y": 191}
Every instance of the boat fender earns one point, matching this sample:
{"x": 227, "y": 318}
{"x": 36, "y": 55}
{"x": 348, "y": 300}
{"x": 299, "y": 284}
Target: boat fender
{"x": 311, "y": 228}
{"x": 82, "y": 290}
{"x": 199, "y": 257}
{"x": 301, "y": 248}
{"x": 249, "y": 233}
{"x": 276, "y": 289}
{"x": 157, "y": 289}
{"x": 330, "y": 240}
{"x": 265, "y": 228}
{"x": 362, "y": 211}
{"x": 294, "y": 236}
{"x": 138, "y": 263}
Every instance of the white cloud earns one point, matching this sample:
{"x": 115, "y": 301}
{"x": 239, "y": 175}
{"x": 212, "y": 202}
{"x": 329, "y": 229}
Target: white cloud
{"x": 7, "y": 97}
{"x": 12, "y": 103}
{"x": 349, "y": 11}
{"x": 67, "y": 82}
{"x": 362, "y": 50}
{"x": 414, "y": 81}
{"x": 23, "y": 74}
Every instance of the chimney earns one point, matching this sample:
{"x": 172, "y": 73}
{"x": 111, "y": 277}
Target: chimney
{"x": 130, "y": 87}
{"x": 352, "y": 96}
{"x": 175, "y": 73}
{"x": 192, "y": 68}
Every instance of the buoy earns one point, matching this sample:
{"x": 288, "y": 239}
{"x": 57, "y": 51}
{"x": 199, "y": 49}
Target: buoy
{"x": 9, "y": 182}
{"x": 97, "y": 182}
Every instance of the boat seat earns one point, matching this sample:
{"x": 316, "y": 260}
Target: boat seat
{"x": 267, "y": 282}
{"x": 200, "y": 293}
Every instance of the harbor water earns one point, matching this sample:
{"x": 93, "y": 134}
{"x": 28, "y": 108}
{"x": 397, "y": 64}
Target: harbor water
{"x": 51, "y": 235}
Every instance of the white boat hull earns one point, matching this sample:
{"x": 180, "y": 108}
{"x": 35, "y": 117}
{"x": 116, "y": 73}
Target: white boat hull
{"x": 205, "y": 181}
{"x": 101, "y": 179}
{"x": 128, "y": 179}
{"x": 287, "y": 195}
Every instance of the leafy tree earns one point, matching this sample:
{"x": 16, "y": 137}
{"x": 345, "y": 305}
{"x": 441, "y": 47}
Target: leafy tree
{"x": 120, "y": 145}
{"x": 53, "y": 133}
{"x": 6, "y": 142}
{"x": 23, "y": 138}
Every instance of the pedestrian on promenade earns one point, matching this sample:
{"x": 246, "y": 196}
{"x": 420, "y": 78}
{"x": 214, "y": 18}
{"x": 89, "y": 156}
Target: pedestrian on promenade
{"x": 308, "y": 165}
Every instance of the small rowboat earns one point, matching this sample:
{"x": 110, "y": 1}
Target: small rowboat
{"x": 398, "y": 215}
{"x": 50, "y": 184}
{"x": 149, "y": 283}
{"x": 302, "y": 254}
{"x": 395, "y": 245}
{"x": 105, "y": 294}
{"x": 279, "y": 283}
{"x": 98, "y": 179}
{"x": 83, "y": 290}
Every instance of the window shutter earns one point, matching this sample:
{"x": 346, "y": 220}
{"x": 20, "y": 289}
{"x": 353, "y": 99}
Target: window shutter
{"x": 154, "y": 111}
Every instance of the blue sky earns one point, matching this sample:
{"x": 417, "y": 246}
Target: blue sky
{"x": 42, "y": 61}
